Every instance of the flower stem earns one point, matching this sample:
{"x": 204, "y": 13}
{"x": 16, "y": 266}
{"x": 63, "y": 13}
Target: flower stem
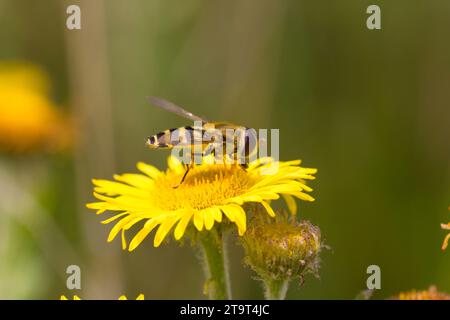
{"x": 275, "y": 289}
{"x": 215, "y": 261}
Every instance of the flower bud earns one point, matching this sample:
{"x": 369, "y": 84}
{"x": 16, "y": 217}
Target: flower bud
{"x": 282, "y": 250}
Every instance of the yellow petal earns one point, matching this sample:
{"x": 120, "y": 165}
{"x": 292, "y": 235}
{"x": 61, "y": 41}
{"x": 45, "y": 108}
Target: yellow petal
{"x": 291, "y": 163}
{"x": 112, "y": 188}
{"x": 149, "y": 170}
{"x": 291, "y": 204}
{"x": 125, "y": 203}
{"x": 140, "y": 236}
{"x": 181, "y": 226}
{"x": 117, "y": 227}
{"x": 241, "y": 220}
{"x": 217, "y": 214}
{"x": 164, "y": 229}
{"x": 236, "y": 214}
{"x": 135, "y": 180}
{"x": 113, "y": 218}
{"x": 136, "y": 219}
{"x": 263, "y": 195}
{"x": 302, "y": 196}
{"x": 175, "y": 165}
{"x": 251, "y": 198}
{"x": 268, "y": 208}
{"x": 259, "y": 162}
{"x": 309, "y": 170}
{"x": 99, "y": 206}
{"x": 198, "y": 220}
{"x": 228, "y": 213}
{"x": 124, "y": 240}
{"x": 208, "y": 216}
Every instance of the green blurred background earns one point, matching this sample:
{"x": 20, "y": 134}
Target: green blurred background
{"x": 369, "y": 109}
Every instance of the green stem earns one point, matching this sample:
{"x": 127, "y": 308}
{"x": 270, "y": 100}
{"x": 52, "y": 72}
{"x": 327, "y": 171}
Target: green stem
{"x": 215, "y": 262}
{"x": 275, "y": 289}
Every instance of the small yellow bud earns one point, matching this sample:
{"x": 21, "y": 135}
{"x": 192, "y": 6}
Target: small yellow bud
{"x": 282, "y": 250}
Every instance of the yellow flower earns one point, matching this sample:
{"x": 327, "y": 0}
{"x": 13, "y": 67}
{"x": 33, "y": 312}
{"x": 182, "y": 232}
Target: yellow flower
{"x": 75, "y": 297}
{"x": 24, "y": 75}
{"x": 139, "y": 297}
{"x": 209, "y": 191}
{"x": 430, "y": 294}
{"x": 123, "y": 297}
{"x": 29, "y": 120}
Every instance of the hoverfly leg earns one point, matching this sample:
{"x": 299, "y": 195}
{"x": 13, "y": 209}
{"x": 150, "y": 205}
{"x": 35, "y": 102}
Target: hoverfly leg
{"x": 184, "y": 176}
{"x": 208, "y": 150}
{"x": 244, "y": 166}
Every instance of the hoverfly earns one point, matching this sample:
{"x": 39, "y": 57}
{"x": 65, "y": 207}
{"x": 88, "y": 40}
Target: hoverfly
{"x": 244, "y": 143}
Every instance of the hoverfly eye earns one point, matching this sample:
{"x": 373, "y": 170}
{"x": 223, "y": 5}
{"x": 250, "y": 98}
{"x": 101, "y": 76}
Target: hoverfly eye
{"x": 151, "y": 140}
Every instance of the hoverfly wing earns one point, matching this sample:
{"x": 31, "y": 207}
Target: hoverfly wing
{"x": 171, "y": 107}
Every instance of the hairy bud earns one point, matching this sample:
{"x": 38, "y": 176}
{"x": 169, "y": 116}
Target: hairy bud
{"x": 282, "y": 250}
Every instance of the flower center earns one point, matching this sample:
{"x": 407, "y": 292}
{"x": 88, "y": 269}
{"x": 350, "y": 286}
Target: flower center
{"x": 204, "y": 186}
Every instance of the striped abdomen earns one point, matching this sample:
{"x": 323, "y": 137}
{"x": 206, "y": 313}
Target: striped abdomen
{"x": 172, "y": 137}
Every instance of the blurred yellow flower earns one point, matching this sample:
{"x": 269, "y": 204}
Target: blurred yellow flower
{"x": 75, "y": 297}
{"x": 430, "y": 294}
{"x": 209, "y": 191}
{"x": 29, "y": 120}
{"x": 139, "y": 297}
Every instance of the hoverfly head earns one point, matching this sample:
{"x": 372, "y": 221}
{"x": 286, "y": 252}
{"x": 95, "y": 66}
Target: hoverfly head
{"x": 151, "y": 142}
